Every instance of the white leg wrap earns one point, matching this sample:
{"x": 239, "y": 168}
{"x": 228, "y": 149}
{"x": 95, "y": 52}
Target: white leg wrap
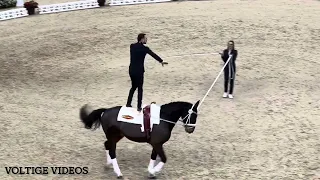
{"x": 116, "y": 168}
{"x": 109, "y": 161}
{"x": 158, "y": 167}
{"x": 158, "y": 159}
{"x": 151, "y": 164}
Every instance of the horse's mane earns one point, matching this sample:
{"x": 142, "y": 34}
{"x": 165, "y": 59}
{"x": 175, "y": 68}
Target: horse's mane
{"x": 174, "y": 109}
{"x": 177, "y": 104}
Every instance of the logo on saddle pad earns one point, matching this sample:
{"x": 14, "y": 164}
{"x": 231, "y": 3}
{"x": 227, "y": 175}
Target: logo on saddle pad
{"x": 127, "y": 117}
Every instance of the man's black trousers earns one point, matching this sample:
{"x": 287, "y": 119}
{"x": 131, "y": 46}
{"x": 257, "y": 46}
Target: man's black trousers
{"x": 136, "y": 82}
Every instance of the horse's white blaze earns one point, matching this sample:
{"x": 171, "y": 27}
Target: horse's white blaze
{"x": 109, "y": 161}
{"x": 116, "y": 168}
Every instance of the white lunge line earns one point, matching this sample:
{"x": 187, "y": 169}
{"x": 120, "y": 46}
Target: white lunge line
{"x": 214, "y": 81}
{"x": 197, "y": 54}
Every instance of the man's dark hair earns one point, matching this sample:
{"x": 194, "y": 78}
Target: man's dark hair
{"x": 231, "y": 41}
{"x": 140, "y": 36}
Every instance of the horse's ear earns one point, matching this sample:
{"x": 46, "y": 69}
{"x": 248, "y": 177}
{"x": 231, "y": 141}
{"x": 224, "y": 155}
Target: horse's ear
{"x": 197, "y": 104}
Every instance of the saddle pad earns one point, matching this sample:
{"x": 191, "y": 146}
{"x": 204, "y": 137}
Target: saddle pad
{"x": 155, "y": 114}
{"x": 131, "y": 115}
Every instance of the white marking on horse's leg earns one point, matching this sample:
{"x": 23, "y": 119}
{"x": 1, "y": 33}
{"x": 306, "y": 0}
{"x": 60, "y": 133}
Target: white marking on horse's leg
{"x": 116, "y": 168}
{"x": 158, "y": 167}
{"x": 151, "y": 164}
{"x": 151, "y": 171}
{"x": 158, "y": 159}
{"x": 109, "y": 161}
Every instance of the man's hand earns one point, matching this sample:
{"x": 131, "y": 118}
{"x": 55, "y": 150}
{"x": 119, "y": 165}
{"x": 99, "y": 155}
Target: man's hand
{"x": 163, "y": 63}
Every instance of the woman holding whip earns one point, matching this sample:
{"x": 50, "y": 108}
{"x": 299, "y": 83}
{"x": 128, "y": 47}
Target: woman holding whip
{"x": 230, "y": 68}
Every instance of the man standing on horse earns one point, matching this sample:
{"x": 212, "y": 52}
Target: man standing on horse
{"x": 138, "y": 53}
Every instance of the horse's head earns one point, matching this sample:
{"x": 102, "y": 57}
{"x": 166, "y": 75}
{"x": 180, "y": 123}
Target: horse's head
{"x": 189, "y": 118}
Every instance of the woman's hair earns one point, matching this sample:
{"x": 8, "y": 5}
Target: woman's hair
{"x": 231, "y": 41}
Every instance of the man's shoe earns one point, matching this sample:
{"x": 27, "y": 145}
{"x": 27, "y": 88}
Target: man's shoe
{"x": 230, "y": 96}
{"x": 139, "y": 109}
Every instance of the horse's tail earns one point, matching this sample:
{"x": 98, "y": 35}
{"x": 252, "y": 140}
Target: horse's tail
{"x": 91, "y": 119}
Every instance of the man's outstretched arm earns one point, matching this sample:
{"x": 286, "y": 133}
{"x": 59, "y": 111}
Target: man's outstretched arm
{"x": 154, "y": 55}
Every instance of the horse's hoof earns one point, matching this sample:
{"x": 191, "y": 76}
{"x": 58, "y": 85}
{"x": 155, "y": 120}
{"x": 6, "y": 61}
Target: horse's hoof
{"x": 152, "y": 176}
{"x": 120, "y": 177}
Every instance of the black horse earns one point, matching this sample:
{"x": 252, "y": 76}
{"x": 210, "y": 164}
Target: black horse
{"x": 115, "y": 130}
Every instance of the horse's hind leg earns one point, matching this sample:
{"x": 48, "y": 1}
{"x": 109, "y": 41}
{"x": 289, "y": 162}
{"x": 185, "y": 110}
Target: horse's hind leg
{"x": 109, "y": 162}
{"x": 113, "y": 138}
{"x": 106, "y": 145}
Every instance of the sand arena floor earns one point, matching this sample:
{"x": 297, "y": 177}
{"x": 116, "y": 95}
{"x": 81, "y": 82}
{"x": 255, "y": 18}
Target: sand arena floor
{"x": 53, "y": 64}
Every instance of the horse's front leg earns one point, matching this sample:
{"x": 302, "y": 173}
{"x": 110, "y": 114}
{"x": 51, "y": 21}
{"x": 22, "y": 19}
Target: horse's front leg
{"x": 152, "y": 160}
{"x": 158, "y": 150}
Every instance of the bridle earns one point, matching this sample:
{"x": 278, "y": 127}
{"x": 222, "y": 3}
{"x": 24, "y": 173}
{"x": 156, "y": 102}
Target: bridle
{"x": 188, "y": 117}
{"x": 187, "y": 123}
